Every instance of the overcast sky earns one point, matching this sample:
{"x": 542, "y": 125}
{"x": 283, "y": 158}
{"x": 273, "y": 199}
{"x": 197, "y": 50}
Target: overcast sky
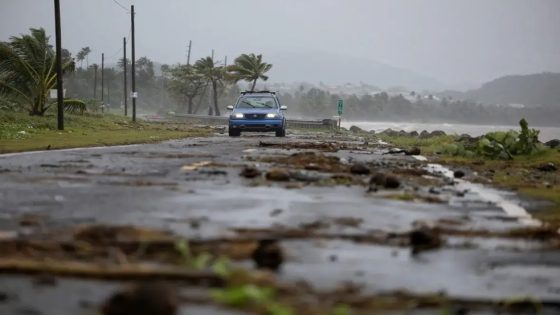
{"x": 453, "y": 41}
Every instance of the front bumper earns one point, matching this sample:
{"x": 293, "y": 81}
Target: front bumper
{"x": 256, "y": 125}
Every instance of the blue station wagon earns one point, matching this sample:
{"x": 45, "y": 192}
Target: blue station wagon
{"x": 257, "y": 111}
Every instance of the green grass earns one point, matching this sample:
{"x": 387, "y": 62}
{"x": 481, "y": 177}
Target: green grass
{"x": 428, "y": 146}
{"x": 20, "y": 132}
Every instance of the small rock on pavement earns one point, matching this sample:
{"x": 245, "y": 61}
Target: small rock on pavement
{"x": 279, "y": 175}
{"x": 548, "y": 167}
{"x": 359, "y": 169}
{"x": 459, "y": 174}
{"x": 386, "y": 181}
{"x": 143, "y": 299}
{"x": 424, "y": 238}
{"x": 304, "y": 176}
{"x": 268, "y": 255}
{"x": 250, "y": 172}
{"x": 392, "y": 182}
{"x": 413, "y": 151}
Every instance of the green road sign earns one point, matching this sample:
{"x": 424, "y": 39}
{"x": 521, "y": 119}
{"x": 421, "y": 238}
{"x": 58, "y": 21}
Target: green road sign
{"x": 340, "y": 104}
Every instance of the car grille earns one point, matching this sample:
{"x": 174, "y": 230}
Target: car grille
{"x": 255, "y": 116}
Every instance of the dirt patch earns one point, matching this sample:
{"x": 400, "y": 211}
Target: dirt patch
{"x": 324, "y": 146}
{"x": 311, "y": 161}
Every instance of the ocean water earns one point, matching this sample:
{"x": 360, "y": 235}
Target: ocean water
{"x": 547, "y": 133}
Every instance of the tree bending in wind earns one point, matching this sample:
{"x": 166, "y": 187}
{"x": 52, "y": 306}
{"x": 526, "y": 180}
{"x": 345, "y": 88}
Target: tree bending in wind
{"x": 250, "y": 68}
{"x": 214, "y": 75}
{"x": 28, "y": 70}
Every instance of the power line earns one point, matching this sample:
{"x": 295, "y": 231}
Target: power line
{"x": 120, "y": 49}
{"x": 122, "y": 6}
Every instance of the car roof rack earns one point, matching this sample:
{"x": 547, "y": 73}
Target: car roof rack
{"x": 256, "y": 92}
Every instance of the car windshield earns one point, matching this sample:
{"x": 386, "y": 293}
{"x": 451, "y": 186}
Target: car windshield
{"x": 257, "y": 102}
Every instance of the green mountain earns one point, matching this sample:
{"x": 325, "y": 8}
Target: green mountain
{"x": 533, "y": 90}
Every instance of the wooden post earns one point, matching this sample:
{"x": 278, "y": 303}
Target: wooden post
{"x": 59, "y": 84}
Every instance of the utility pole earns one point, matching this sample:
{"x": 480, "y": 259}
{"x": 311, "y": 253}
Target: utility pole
{"x": 102, "y": 78}
{"x": 134, "y": 95}
{"x": 189, "y": 54}
{"x": 124, "y": 72}
{"x": 225, "y": 61}
{"x": 108, "y": 96}
{"x": 212, "y": 54}
{"x": 59, "y": 85}
{"x": 95, "y": 81}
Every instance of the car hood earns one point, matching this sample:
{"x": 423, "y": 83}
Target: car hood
{"x": 256, "y": 110}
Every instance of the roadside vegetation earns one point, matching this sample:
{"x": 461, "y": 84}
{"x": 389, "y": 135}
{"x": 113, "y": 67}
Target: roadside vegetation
{"x": 514, "y": 160}
{"x": 27, "y": 77}
{"x": 20, "y": 132}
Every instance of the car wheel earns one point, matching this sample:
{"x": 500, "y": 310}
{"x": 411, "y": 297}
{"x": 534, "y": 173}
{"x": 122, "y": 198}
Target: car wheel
{"x": 281, "y": 132}
{"x": 234, "y": 133}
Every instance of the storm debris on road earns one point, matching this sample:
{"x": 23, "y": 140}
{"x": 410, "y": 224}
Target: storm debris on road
{"x": 381, "y": 180}
{"x": 278, "y": 175}
{"x": 359, "y": 169}
{"x": 268, "y": 255}
{"x": 250, "y": 172}
{"x": 143, "y": 299}
{"x": 340, "y": 249}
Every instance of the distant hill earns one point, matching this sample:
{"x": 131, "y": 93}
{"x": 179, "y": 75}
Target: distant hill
{"x": 542, "y": 89}
{"x": 332, "y": 68}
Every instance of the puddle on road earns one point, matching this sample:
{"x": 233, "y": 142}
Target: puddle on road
{"x": 251, "y": 207}
{"x": 467, "y": 273}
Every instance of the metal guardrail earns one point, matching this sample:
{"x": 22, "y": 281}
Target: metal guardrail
{"x": 220, "y": 120}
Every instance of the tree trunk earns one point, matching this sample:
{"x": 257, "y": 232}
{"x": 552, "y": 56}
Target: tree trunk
{"x": 215, "y": 90}
{"x": 189, "y": 105}
{"x": 201, "y": 98}
{"x": 254, "y": 83}
{"x": 210, "y": 110}
{"x": 36, "y": 108}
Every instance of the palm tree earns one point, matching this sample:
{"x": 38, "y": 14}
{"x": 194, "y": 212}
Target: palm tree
{"x": 82, "y": 55}
{"x": 250, "y": 68}
{"x": 213, "y": 75}
{"x": 27, "y": 70}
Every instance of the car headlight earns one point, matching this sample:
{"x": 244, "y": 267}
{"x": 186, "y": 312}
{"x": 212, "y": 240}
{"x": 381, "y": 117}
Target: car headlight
{"x": 271, "y": 115}
{"x": 238, "y": 115}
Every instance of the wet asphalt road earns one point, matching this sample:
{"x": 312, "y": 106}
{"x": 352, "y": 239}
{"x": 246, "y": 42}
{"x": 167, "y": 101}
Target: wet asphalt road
{"x": 172, "y": 184}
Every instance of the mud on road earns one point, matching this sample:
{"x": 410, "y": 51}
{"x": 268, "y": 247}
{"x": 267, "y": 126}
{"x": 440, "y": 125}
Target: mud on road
{"x": 342, "y": 227}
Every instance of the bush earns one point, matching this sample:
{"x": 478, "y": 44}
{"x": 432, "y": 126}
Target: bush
{"x": 497, "y": 145}
{"x": 9, "y": 105}
{"x": 504, "y": 145}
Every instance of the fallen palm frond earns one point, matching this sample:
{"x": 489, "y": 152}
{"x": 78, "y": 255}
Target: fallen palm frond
{"x": 108, "y": 272}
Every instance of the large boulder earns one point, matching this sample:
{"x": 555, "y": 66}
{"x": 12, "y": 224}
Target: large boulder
{"x": 437, "y": 133}
{"x": 424, "y": 134}
{"x": 356, "y": 129}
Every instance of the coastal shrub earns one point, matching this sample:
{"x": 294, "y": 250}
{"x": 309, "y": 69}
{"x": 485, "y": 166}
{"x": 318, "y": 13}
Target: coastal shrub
{"x": 505, "y": 145}
{"x": 502, "y": 145}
